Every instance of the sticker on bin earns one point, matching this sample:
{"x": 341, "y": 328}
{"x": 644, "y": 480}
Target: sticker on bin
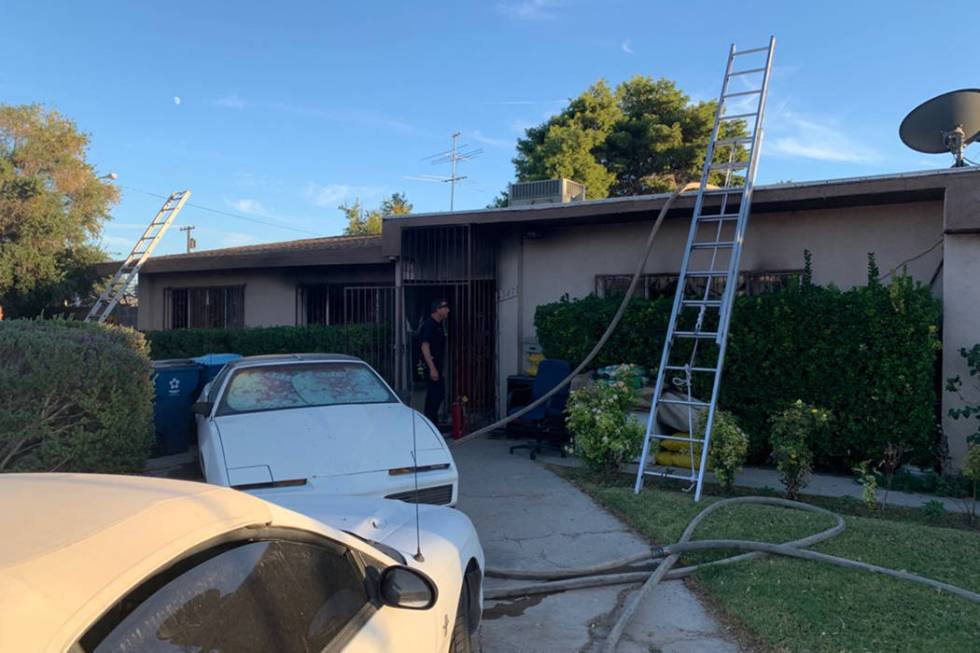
{"x": 175, "y": 386}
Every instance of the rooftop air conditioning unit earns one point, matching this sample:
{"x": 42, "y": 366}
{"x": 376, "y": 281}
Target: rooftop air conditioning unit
{"x": 548, "y": 191}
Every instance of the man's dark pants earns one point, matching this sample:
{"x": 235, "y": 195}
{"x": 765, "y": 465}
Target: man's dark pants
{"x": 435, "y": 392}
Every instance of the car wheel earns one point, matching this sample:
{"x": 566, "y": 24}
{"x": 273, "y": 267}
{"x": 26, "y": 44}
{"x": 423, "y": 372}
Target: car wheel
{"x": 462, "y": 641}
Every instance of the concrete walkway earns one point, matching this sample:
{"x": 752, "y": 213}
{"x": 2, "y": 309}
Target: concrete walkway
{"x": 823, "y": 485}
{"x": 530, "y": 518}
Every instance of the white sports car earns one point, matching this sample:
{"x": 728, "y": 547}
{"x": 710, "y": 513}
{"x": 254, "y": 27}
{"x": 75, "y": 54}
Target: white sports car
{"x": 117, "y": 564}
{"x": 323, "y": 424}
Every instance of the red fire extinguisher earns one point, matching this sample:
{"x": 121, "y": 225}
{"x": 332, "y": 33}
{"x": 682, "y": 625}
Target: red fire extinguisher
{"x": 459, "y": 418}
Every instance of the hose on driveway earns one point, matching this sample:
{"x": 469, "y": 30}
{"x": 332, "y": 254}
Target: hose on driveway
{"x": 636, "y": 568}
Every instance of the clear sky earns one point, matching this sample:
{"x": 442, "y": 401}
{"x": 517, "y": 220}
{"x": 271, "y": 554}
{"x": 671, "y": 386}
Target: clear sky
{"x": 280, "y": 111}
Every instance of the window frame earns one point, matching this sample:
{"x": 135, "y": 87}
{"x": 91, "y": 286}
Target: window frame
{"x": 179, "y": 302}
{"x": 365, "y": 566}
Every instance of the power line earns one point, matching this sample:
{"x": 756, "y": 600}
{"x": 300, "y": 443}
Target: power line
{"x": 231, "y": 215}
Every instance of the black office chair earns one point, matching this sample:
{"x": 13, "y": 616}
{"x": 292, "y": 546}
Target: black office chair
{"x": 546, "y": 423}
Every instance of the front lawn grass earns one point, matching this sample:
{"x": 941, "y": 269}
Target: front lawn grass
{"x": 798, "y": 605}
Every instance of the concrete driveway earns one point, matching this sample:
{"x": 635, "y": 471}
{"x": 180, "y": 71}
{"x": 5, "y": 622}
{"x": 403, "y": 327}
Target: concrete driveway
{"x": 530, "y": 518}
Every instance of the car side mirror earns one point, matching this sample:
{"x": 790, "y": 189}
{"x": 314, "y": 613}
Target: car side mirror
{"x": 404, "y": 587}
{"x": 202, "y": 408}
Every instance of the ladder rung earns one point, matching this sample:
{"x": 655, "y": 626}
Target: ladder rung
{"x": 676, "y": 438}
{"x": 718, "y": 244}
{"x": 665, "y": 474}
{"x": 748, "y": 71}
{"x": 706, "y": 335}
{"x": 762, "y": 49}
{"x": 721, "y": 217}
{"x": 734, "y": 165}
{"x": 733, "y": 141}
{"x": 683, "y": 402}
{"x": 741, "y": 93}
{"x": 731, "y": 190}
{"x": 705, "y": 274}
{"x": 681, "y": 368}
{"x": 738, "y": 116}
{"x": 707, "y": 303}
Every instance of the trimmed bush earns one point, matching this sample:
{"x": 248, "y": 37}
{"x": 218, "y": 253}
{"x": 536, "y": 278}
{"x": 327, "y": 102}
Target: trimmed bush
{"x": 867, "y": 354}
{"x": 604, "y": 432}
{"x": 76, "y": 397}
{"x": 729, "y": 445}
{"x": 793, "y": 432}
{"x": 356, "y": 339}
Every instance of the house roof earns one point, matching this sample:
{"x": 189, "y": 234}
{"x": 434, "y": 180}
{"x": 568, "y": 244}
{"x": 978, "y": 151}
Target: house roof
{"x": 825, "y": 194}
{"x": 347, "y": 250}
{"x": 330, "y": 250}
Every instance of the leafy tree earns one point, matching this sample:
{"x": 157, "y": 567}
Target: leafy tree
{"x": 644, "y": 137}
{"x": 361, "y": 222}
{"x": 52, "y": 206}
{"x": 571, "y": 143}
{"x": 395, "y": 205}
{"x": 502, "y": 200}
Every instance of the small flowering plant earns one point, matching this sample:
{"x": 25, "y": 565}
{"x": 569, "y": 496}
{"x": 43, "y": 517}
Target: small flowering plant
{"x": 792, "y": 433}
{"x": 604, "y": 432}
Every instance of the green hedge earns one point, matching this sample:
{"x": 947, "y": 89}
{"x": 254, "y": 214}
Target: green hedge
{"x": 364, "y": 340}
{"x": 867, "y": 354}
{"x": 76, "y": 397}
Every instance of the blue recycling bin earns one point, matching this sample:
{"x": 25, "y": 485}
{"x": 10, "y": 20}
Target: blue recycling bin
{"x": 213, "y": 363}
{"x": 176, "y": 383}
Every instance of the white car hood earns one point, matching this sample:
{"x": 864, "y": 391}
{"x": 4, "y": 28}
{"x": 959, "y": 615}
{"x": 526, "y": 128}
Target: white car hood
{"x": 326, "y": 441}
{"x": 368, "y": 517}
{"x": 391, "y": 522}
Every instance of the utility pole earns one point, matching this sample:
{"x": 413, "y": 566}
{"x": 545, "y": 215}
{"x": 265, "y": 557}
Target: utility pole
{"x": 452, "y": 156}
{"x": 191, "y": 243}
{"x": 452, "y": 172}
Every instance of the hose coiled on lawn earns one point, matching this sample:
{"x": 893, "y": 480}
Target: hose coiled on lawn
{"x": 635, "y": 568}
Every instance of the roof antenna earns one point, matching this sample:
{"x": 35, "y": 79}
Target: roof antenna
{"x": 415, "y": 474}
{"x": 452, "y": 156}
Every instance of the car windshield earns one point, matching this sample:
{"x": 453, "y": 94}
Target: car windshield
{"x": 301, "y": 385}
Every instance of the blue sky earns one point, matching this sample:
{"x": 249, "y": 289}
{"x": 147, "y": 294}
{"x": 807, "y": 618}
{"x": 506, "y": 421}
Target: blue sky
{"x": 278, "y": 112}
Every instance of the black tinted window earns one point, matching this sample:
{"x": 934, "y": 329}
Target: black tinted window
{"x": 261, "y": 596}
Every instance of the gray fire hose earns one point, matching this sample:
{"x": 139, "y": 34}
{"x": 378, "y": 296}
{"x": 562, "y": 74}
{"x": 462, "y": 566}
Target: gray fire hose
{"x": 625, "y": 570}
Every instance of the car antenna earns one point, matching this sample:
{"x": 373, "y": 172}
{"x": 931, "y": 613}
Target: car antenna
{"x": 415, "y": 474}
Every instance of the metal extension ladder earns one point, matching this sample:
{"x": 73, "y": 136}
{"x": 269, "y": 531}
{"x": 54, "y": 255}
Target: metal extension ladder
{"x": 118, "y": 287}
{"x": 694, "y": 349}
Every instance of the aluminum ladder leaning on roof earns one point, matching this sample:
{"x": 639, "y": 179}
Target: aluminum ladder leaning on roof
{"x": 117, "y": 288}
{"x": 694, "y": 349}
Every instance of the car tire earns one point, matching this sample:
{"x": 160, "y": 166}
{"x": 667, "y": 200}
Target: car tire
{"x": 462, "y": 641}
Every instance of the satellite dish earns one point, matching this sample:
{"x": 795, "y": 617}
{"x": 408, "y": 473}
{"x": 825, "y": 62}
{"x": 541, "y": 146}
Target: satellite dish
{"x": 946, "y": 123}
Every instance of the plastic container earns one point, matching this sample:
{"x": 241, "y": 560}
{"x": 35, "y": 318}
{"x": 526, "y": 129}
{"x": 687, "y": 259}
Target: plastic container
{"x": 176, "y": 384}
{"x": 213, "y": 363}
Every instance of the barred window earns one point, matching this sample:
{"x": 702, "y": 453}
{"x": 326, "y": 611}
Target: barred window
{"x": 219, "y": 307}
{"x": 653, "y": 286}
{"x": 319, "y": 303}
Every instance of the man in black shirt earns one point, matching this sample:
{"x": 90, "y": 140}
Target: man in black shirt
{"x": 433, "y": 339}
